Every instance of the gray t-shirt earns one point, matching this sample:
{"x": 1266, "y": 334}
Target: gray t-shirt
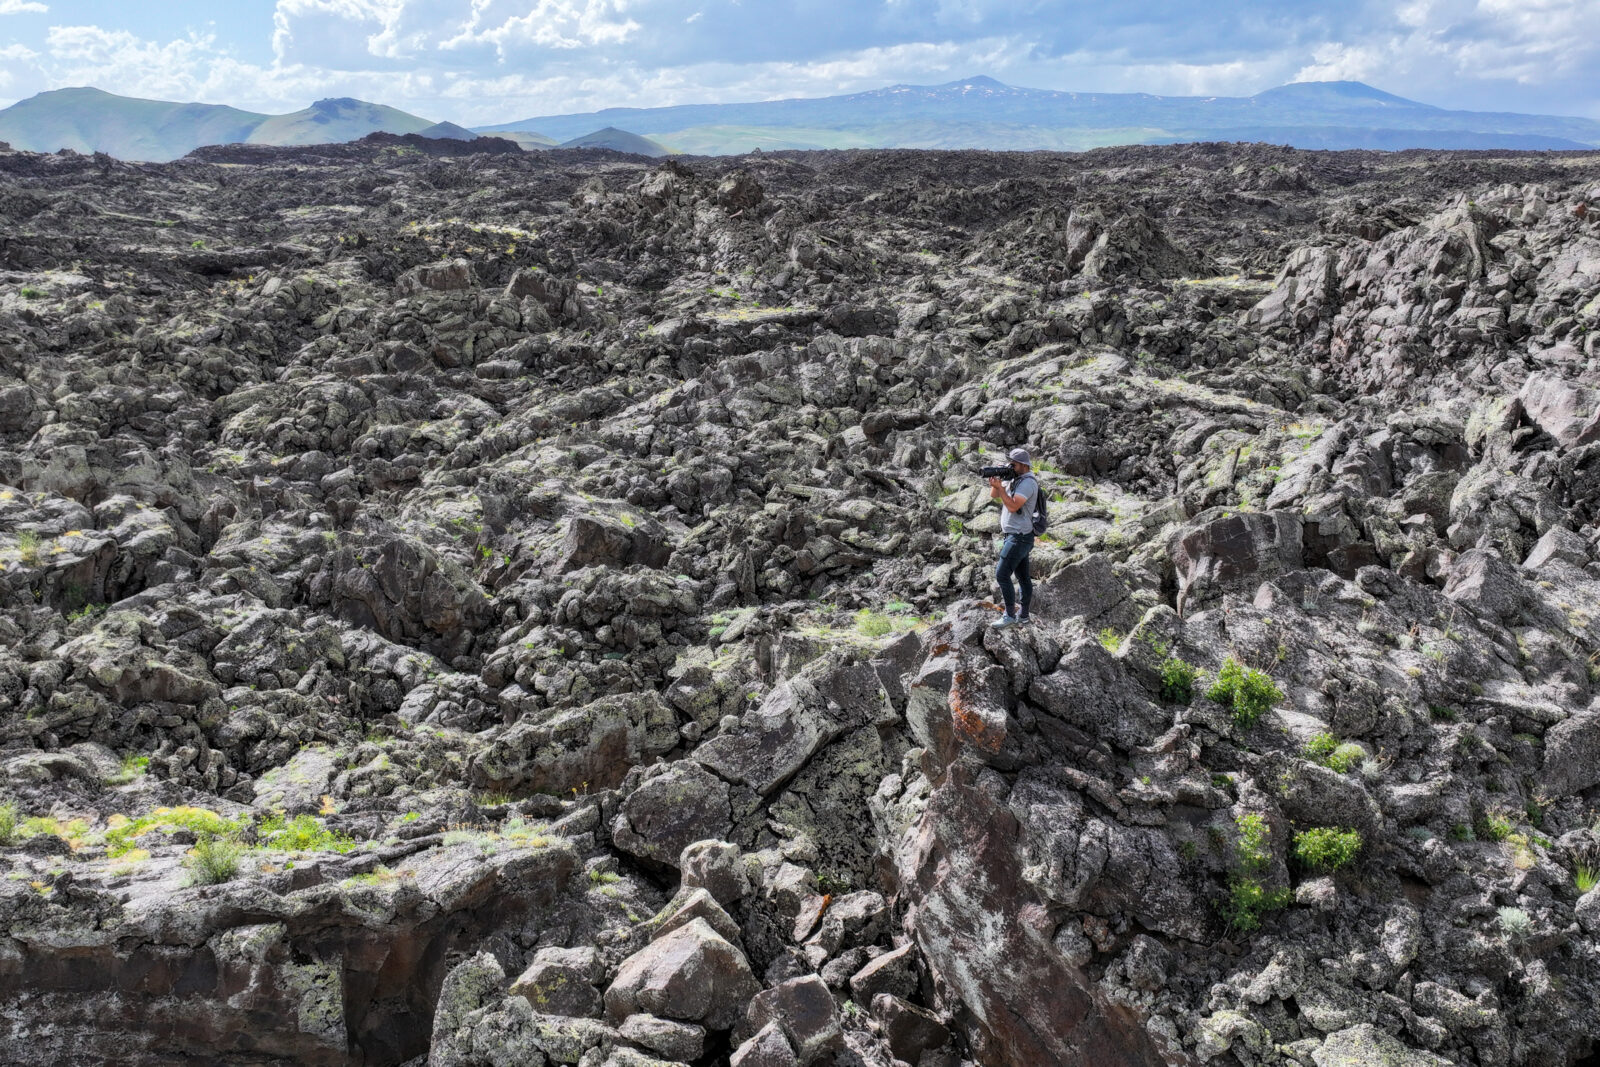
{"x": 1021, "y": 520}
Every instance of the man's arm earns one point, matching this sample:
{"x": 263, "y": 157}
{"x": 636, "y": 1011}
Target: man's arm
{"x": 997, "y": 491}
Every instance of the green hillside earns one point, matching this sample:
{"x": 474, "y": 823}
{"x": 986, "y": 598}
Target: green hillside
{"x": 89, "y": 120}
{"x": 619, "y": 141}
{"x": 333, "y": 121}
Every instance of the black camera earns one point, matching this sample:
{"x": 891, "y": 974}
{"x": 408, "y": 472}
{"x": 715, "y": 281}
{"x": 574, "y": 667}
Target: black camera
{"x": 1002, "y": 471}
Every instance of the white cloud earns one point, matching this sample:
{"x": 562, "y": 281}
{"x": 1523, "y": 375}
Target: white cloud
{"x": 486, "y": 61}
{"x": 22, "y": 7}
{"x": 548, "y": 24}
{"x": 1466, "y": 53}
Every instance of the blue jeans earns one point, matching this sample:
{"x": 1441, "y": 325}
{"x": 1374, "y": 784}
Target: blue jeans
{"x": 1014, "y": 561}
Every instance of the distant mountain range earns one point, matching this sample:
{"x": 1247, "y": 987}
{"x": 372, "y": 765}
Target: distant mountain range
{"x": 89, "y": 120}
{"x": 983, "y": 113}
{"x": 971, "y": 113}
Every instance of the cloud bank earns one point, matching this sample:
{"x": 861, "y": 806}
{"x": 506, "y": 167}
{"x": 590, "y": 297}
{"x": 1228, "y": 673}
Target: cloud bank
{"x": 480, "y": 61}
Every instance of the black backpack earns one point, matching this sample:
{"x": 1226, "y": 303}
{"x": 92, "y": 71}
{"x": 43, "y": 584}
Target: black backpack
{"x": 1041, "y": 513}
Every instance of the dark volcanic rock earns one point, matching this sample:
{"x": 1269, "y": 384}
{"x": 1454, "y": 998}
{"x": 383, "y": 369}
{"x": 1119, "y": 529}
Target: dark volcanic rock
{"x": 530, "y": 608}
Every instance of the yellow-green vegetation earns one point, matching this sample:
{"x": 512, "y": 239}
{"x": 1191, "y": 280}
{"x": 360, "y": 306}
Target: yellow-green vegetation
{"x": 130, "y": 862}
{"x": 28, "y": 547}
{"x": 213, "y": 860}
{"x": 1248, "y": 895}
{"x": 1245, "y": 690}
{"x": 303, "y": 833}
{"x": 8, "y": 823}
{"x": 123, "y": 832}
{"x": 1177, "y": 680}
{"x": 75, "y": 832}
{"x": 514, "y": 834}
{"x": 1495, "y": 826}
{"x": 1326, "y": 848}
{"x": 1586, "y": 877}
{"x": 1327, "y": 750}
{"x": 1110, "y": 640}
{"x": 872, "y": 624}
{"x": 133, "y": 766}
{"x": 380, "y": 876}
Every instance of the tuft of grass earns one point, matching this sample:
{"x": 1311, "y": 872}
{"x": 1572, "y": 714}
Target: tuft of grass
{"x": 1326, "y": 849}
{"x": 28, "y": 547}
{"x": 1177, "y": 680}
{"x": 8, "y": 823}
{"x": 1495, "y": 826}
{"x": 1110, "y": 640}
{"x": 213, "y": 860}
{"x": 303, "y": 833}
{"x": 123, "y": 833}
{"x": 30, "y": 293}
{"x": 133, "y": 766}
{"x": 1329, "y": 751}
{"x": 129, "y": 863}
{"x": 872, "y": 624}
{"x": 1245, "y": 690}
{"x": 1586, "y": 877}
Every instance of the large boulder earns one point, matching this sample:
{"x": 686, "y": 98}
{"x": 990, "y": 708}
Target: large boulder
{"x": 1566, "y": 411}
{"x": 987, "y": 939}
{"x": 692, "y": 974}
{"x": 1572, "y": 754}
{"x": 561, "y": 981}
{"x": 804, "y": 1010}
{"x": 454, "y": 276}
{"x": 1482, "y": 580}
{"x": 1234, "y": 553}
{"x": 591, "y": 747}
{"x": 1367, "y": 1046}
{"x": 683, "y": 804}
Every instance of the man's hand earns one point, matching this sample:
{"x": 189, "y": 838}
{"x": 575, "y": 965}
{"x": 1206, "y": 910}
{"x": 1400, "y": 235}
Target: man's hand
{"x": 996, "y": 490}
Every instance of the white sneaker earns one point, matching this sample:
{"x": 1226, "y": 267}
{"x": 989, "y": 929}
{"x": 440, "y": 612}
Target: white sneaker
{"x": 1004, "y": 621}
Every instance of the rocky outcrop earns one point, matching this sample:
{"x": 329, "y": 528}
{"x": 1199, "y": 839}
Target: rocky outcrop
{"x": 471, "y": 607}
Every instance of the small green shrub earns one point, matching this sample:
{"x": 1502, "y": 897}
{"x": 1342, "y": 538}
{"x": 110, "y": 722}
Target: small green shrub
{"x": 1329, "y": 751}
{"x": 1515, "y": 923}
{"x": 213, "y": 860}
{"x": 8, "y": 823}
{"x": 1248, "y": 900}
{"x": 1245, "y": 690}
{"x": 1248, "y": 896}
{"x": 1326, "y": 849}
{"x": 1177, "y": 680}
{"x": 1462, "y": 832}
{"x": 1320, "y": 747}
{"x": 1110, "y": 640}
{"x": 1586, "y": 877}
{"x": 30, "y": 293}
{"x": 1494, "y": 826}
{"x": 872, "y": 624}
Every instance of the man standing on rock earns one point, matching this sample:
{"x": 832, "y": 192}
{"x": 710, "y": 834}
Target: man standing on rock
{"x": 1017, "y": 502}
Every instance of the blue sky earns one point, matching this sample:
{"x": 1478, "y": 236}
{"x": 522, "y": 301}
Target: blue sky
{"x": 481, "y": 61}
